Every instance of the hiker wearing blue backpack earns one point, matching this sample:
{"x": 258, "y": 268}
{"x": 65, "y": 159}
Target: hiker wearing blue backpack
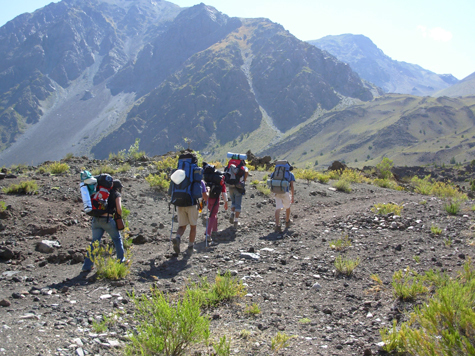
{"x": 281, "y": 183}
{"x": 186, "y": 188}
{"x": 236, "y": 174}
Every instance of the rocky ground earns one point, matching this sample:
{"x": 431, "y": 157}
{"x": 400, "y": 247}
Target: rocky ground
{"x": 47, "y": 306}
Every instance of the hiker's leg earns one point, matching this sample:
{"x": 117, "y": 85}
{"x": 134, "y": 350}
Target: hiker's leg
{"x": 116, "y": 238}
{"x": 181, "y": 230}
{"x": 287, "y": 215}
{"x": 278, "y": 207}
{"x": 192, "y": 235}
{"x": 237, "y": 205}
{"x": 193, "y": 219}
{"x": 182, "y": 213}
{"x": 213, "y": 205}
{"x": 97, "y": 232}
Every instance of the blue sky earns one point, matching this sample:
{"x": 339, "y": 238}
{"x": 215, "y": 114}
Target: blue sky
{"x": 438, "y": 35}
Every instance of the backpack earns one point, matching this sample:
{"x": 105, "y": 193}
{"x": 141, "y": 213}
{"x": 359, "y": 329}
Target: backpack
{"x": 189, "y": 190}
{"x": 101, "y": 196}
{"x": 213, "y": 179}
{"x": 234, "y": 172}
{"x": 279, "y": 180}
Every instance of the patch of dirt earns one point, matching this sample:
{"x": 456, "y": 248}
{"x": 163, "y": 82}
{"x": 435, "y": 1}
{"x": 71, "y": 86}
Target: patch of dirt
{"x": 48, "y": 307}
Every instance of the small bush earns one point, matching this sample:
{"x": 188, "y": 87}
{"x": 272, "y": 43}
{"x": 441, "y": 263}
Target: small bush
{"x": 346, "y": 266}
{"x": 107, "y": 266}
{"x": 435, "y": 230}
{"x": 25, "y": 187}
{"x": 252, "y": 309}
{"x": 280, "y": 341}
{"x": 452, "y": 206}
{"x": 342, "y": 185}
{"x": 103, "y": 169}
{"x": 305, "y": 321}
{"x": 408, "y": 284}
{"x": 442, "y": 326}
{"x": 383, "y": 209}
{"x": 167, "y": 164}
{"x": 159, "y": 181}
{"x": 323, "y": 178}
{"x": 58, "y": 168}
{"x": 124, "y": 168}
{"x": 69, "y": 156}
{"x": 223, "y": 348}
{"x": 307, "y": 174}
{"x": 353, "y": 176}
{"x": 386, "y": 183}
{"x": 340, "y": 244}
{"x": 385, "y": 168}
{"x": 167, "y": 327}
{"x": 264, "y": 189}
{"x": 3, "y": 206}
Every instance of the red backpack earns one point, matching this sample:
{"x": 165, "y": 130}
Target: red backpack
{"x": 100, "y": 197}
{"x": 234, "y": 171}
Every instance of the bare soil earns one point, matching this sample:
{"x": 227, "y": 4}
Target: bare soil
{"x": 48, "y": 306}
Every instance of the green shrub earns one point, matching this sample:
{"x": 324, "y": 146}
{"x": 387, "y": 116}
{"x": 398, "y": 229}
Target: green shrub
{"x": 223, "y": 348}
{"x": 428, "y": 186}
{"x": 435, "y": 230}
{"x": 25, "y": 187}
{"x": 264, "y": 189}
{"x": 103, "y": 169}
{"x": 166, "y": 327}
{"x": 167, "y": 163}
{"x": 305, "y": 321}
{"x": 342, "y": 185}
{"x": 387, "y": 183}
{"x": 353, "y": 176}
{"x": 252, "y": 309}
{"x": 452, "y": 206}
{"x": 107, "y": 266}
{"x": 383, "y": 209}
{"x": 408, "y": 284}
{"x": 340, "y": 244}
{"x": 442, "y": 326}
{"x": 280, "y": 341}
{"x": 124, "y": 168}
{"x": 58, "y": 168}
{"x": 225, "y": 288}
{"x": 307, "y": 174}
{"x": 3, "y": 206}
{"x": 69, "y": 156}
{"x": 159, "y": 181}
{"x": 346, "y": 266}
{"x": 323, "y": 178}
{"x": 385, "y": 168}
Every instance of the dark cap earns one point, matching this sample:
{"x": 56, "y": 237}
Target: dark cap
{"x": 117, "y": 184}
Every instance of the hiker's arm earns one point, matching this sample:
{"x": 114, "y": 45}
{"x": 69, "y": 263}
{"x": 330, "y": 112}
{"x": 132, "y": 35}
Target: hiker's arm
{"x": 118, "y": 206}
{"x": 204, "y": 191}
{"x": 245, "y": 175}
{"x": 225, "y": 199}
{"x": 292, "y": 191}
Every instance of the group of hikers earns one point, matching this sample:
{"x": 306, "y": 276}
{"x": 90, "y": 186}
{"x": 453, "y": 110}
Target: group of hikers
{"x": 191, "y": 189}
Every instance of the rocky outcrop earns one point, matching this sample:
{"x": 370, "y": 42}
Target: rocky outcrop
{"x": 371, "y": 64}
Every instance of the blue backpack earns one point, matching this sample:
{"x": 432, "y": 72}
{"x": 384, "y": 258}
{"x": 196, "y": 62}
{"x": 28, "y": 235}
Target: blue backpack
{"x": 279, "y": 181}
{"x": 189, "y": 190}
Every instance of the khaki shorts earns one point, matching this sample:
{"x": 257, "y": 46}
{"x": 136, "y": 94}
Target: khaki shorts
{"x": 187, "y": 215}
{"x": 282, "y": 200}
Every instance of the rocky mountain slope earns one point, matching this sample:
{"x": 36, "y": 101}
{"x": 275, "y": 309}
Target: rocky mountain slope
{"x": 76, "y": 71}
{"x": 371, "y": 64}
{"x": 410, "y": 130}
{"x": 48, "y": 307}
{"x": 466, "y": 87}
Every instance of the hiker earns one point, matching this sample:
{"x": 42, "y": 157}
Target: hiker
{"x": 236, "y": 175}
{"x": 214, "y": 180}
{"x": 281, "y": 183}
{"x": 106, "y": 223}
{"x": 186, "y": 188}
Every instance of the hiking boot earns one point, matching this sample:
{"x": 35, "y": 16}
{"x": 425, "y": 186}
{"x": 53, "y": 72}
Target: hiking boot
{"x": 288, "y": 224}
{"x": 231, "y": 218}
{"x": 277, "y": 228}
{"x": 237, "y": 224}
{"x": 176, "y": 245}
{"x": 189, "y": 251}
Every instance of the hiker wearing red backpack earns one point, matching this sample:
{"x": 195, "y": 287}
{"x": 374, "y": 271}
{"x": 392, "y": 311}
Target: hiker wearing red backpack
{"x": 235, "y": 177}
{"x": 103, "y": 220}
